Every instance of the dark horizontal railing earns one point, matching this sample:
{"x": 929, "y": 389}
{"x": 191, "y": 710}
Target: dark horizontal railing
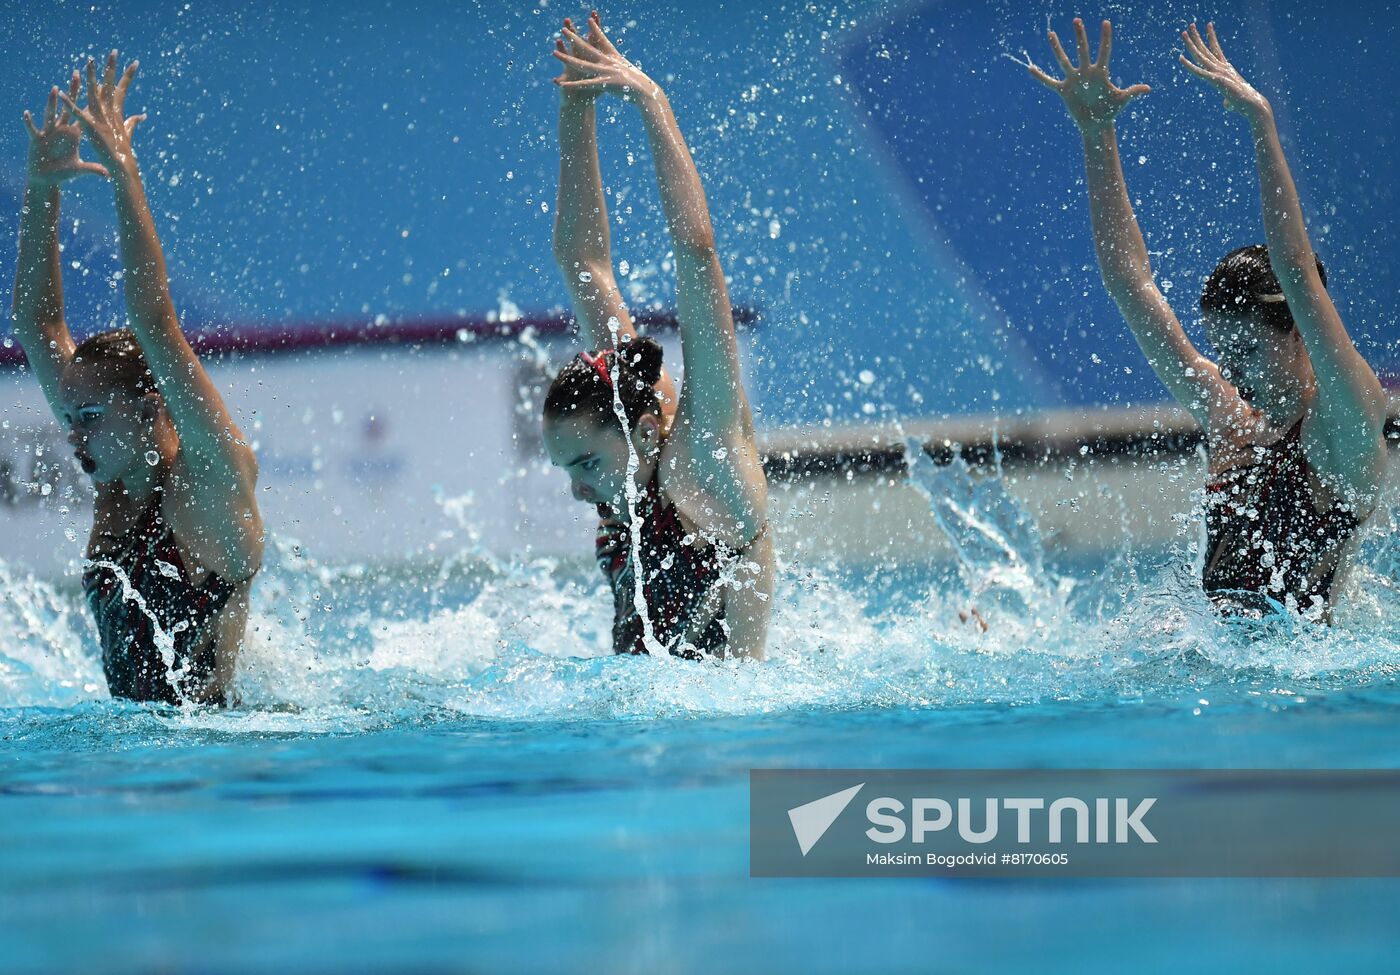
{"x": 1071, "y": 442}
{"x": 797, "y": 464}
{"x": 421, "y": 332}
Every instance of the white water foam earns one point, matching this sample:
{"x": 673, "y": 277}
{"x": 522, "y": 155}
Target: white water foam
{"x": 328, "y": 651}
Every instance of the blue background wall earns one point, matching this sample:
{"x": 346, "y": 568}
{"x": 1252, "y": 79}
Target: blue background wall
{"x": 894, "y": 193}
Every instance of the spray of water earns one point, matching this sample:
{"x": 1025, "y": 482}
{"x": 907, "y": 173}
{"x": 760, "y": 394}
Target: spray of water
{"x": 634, "y": 525}
{"x": 344, "y": 648}
{"x": 994, "y": 539}
{"x": 165, "y": 642}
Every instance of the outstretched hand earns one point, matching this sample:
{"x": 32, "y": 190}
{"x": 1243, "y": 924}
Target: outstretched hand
{"x": 103, "y": 118}
{"x": 566, "y": 81}
{"x": 53, "y": 149}
{"x": 1211, "y": 64}
{"x": 1091, "y": 97}
{"x": 592, "y": 65}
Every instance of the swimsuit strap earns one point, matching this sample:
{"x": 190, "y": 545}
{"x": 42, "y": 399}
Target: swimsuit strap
{"x": 1288, "y": 446}
{"x": 762, "y": 530}
{"x": 1273, "y": 457}
{"x": 152, "y": 525}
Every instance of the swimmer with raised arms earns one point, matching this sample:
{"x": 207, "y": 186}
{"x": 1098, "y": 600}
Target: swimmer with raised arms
{"x": 685, "y": 466}
{"x": 1293, "y": 416}
{"x": 176, "y": 535}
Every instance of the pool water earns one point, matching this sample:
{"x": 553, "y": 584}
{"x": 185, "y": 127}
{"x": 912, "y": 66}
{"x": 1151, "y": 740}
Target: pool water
{"x": 443, "y": 769}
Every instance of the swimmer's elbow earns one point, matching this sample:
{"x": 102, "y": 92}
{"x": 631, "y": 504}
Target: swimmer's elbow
{"x": 583, "y": 274}
{"x": 566, "y": 251}
{"x": 741, "y": 650}
{"x": 696, "y": 246}
{"x": 748, "y": 614}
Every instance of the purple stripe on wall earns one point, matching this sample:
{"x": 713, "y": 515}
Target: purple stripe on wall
{"x": 282, "y": 339}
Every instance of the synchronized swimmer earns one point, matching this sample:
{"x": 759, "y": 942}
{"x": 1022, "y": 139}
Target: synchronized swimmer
{"x": 176, "y": 535}
{"x": 677, "y": 479}
{"x": 1293, "y": 415}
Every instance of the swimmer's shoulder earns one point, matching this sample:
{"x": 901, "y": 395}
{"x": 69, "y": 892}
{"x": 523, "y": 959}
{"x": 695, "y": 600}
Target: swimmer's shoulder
{"x": 1235, "y": 438}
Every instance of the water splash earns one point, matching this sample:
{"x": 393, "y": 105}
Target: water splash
{"x": 48, "y": 654}
{"x": 175, "y": 673}
{"x": 336, "y": 649}
{"x": 996, "y": 541}
{"x": 653, "y": 646}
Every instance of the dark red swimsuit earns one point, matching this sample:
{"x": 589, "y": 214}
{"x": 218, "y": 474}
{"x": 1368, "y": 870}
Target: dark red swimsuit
{"x": 678, "y": 581}
{"x": 1267, "y": 542}
{"x": 131, "y": 657}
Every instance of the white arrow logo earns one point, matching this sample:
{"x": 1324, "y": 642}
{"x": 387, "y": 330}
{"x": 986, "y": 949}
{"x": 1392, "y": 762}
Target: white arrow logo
{"x": 811, "y": 821}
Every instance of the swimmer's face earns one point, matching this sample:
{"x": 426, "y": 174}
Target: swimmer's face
{"x": 108, "y": 428}
{"x": 595, "y": 456}
{"x": 1261, "y": 362}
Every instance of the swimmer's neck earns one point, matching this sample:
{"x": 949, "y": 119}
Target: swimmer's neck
{"x": 1287, "y": 409}
{"x": 142, "y": 479}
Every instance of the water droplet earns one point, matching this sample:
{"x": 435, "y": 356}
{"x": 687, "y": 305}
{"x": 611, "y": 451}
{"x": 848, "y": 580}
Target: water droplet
{"x": 152, "y": 458}
{"x": 867, "y": 377}
{"x": 585, "y": 276}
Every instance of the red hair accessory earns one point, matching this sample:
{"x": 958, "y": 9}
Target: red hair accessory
{"x": 599, "y": 363}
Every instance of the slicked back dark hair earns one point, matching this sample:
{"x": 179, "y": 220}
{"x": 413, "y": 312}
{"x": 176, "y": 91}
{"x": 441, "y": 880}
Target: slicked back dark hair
{"x": 582, "y": 389}
{"x": 120, "y": 355}
{"x": 1244, "y": 285}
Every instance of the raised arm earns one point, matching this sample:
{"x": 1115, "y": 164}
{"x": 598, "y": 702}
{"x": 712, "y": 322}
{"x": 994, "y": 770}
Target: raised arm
{"x": 1094, "y": 102}
{"x": 710, "y": 465}
{"x": 1346, "y": 442}
{"x": 582, "y": 238}
{"x": 38, "y": 300}
{"x": 712, "y": 395}
{"x": 582, "y": 234}
{"x": 214, "y": 460}
{"x": 205, "y": 427}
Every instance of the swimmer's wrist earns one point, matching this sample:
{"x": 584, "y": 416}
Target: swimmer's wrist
{"x": 125, "y": 171}
{"x": 1261, "y": 114}
{"x": 653, "y": 101}
{"x": 38, "y": 182}
{"x": 577, "y": 98}
{"x": 1096, "y": 133}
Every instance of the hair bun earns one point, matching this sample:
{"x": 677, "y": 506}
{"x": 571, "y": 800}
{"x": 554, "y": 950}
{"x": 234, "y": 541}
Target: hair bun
{"x": 643, "y": 357}
{"x": 584, "y": 386}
